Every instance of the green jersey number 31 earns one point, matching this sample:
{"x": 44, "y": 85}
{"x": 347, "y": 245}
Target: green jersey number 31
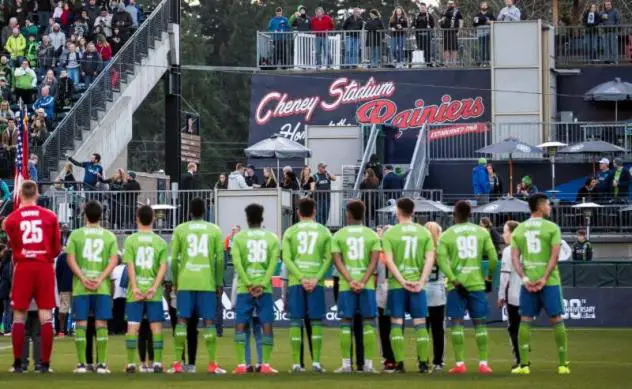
{"x": 356, "y": 248}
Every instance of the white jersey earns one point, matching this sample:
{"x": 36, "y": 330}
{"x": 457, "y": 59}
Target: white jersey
{"x": 510, "y": 282}
{"x": 116, "y": 276}
{"x": 435, "y": 289}
{"x": 381, "y": 291}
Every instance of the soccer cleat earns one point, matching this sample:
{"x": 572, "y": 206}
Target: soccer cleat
{"x": 16, "y": 369}
{"x": 176, "y": 368}
{"x": 521, "y": 370}
{"x": 267, "y": 369}
{"x": 45, "y": 369}
{"x": 484, "y": 369}
{"x": 424, "y": 368}
{"x": 240, "y": 370}
{"x": 389, "y": 367}
{"x": 399, "y": 368}
{"x": 368, "y": 370}
{"x": 343, "y": 370}
{"x": 437, "y": 368}
{"x": 458, "y": 369}
{"x": 144, "y": 369}
{"x": 131, "y": 369}
{"x": 251, "y": 369}
{"x": 102, "y": 368}
{"x": 80, "y": 369}
{"x": 213, "y": 368}
{"x": 296, "y": 369}
{"x": 90, "y": 368}
{"x": 157, "y": 368}
{"x": 317, "y": 368}
{"x": 563, "y": 370}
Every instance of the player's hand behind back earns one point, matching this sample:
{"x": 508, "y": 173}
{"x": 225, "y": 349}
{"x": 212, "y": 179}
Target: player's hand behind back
{"x": 89, "y": 284}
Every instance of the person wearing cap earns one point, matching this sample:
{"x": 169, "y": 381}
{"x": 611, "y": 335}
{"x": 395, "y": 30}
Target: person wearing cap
{"x": 526, "y": 188}
{"x": 604, "y": 181}
{"x": 480, "y": 182}
{"x": 251, "y": 177}
{"x": 280, "y": 26}
{"x": 323, "y": 196}
{"x": 620, "y": 181}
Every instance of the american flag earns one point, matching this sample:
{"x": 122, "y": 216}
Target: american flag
{"x": 21, "y": 156}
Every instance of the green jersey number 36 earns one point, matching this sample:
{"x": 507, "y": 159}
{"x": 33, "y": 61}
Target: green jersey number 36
{"x": 257, "y": 251}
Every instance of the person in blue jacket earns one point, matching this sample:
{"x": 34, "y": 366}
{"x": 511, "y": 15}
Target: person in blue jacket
{"x": 280, "y": 25}
{"x": 480, "y": 182}
{"x": 5, "y": 193}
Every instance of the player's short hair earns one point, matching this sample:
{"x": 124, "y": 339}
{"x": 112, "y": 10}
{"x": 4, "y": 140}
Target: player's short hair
{"x": 97, "y": 156}
{"x": 239, "y": 166}
{"x": 356, "y": 208}
{"x": 92, "y": 210}
{"x": 581, "y": 232}
{"x": 406, "y": 206}
{"x": 306, "y": 207}
{"x": 535, "y": 200}
{"x": 512, "y": 225}
{"x": 197, "y": 208}
{"x": 28, "y": 190}
{"x": 145, "y": 215}
{"x": 254, "y": 215}
{"x": 462, "y": 210}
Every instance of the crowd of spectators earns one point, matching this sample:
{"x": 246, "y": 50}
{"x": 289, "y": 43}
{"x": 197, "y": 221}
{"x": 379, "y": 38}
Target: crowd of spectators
{"x": 611, "y": 185}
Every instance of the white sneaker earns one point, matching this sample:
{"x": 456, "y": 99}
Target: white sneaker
{"x": 190, "y": 369}
{"x": 369, "y": 370}
{"x": 102, "y": 368}
{"x": 343, "y": 370}
{"x": 80, "y": 369}
{"x": 144, "y": 369}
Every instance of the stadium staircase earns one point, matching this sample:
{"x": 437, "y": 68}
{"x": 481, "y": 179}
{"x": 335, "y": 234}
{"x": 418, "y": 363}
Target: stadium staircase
{"x": 101, "y": 120}
{"x": 418, "y": 163}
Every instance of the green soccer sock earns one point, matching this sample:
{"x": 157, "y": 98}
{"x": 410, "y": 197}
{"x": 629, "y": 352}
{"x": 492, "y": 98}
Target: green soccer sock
{"x": 131, "y": 343}
{"x": 561, "y": 340}
{"x": 397, "y": 342}
{"x": 482, "y": 342}
{"x": 179, "y": 340}
{"x": 80, "y": 344}
{"x": 524, "y": 338}
{"x": 210, "y": 340}
{"x": 345, "y": 340}
{"x": 295, "y": 341}
{"x": 317, "y": 340}
{"x": 369, "y": 341}
{"x": 102, "y": 345}
{"x": 267, "y": 342}
{"x": 458, "y": 343}
{"x": 421, "y": 335}
{"x": 240, "y": 347}
{"x": 158, "y": 347}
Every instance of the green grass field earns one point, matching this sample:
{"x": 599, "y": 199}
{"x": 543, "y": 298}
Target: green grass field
{"x": 600, "y": 358}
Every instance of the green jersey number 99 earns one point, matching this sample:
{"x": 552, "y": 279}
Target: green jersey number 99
{"x": 467, "y": 246}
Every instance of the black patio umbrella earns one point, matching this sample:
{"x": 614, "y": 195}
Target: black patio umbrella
{"x": 277, "y": 147}
{"x": 510, "y": 146}
{"x": 504, "y": 205}
{"x": 614, "y": 91}
{"x": 593, "y": 147}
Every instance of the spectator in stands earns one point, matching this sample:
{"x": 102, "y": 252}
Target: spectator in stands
{"x": 620, "y": 181}
{"x": 610, "y": 22}
{"x": 122, "y": 20}
{"x": 68, "y": 177}
{"x": 495, "y": 184}
{"x": 25, "y": 82}
{"x": 482, "y": 22}
{"x": 41, "y": 114}
{"x": 58, "y": 11}
{"x": 10, "y": 140}
{"x": 20, "y": 11}
{"x": 398, "y": 24}
{"x": 92, "y": 170}
{"x": 80, "y": 28}
{"x": 104, "y": 22}
{"x": 33, "y": 172}
{"x": 481, "y": 182}
{"x": 236, "y": 179}
{"x": 299, "y": 21}
{"x": 92, "y": 10}
{"x": 39, "y": 132}
{"x": 5, "y": 193}
{"x": 497, "y": 239}
{"x": 526, "y": 188}
{"x": 6, "y": 70}
{"x": 116, "y": 41}
{"x": 133, "y": 188}
{"x": 222, "y": 182}
{"x": 57, "y": 39}
{"x": 8, "y": 29}
{"x": 90, "y": 64}
{"x": 104, "y": 49}
{"x": 307, "y": 182}
{"x": 370, "y": 184}
{"x": 134, "y": 12}
{"x": 44, "y": 10}
{"x": 375, "y": 31}
{"x": 31, "y": 50}
{"x": 510, "y": 13}
{"x": 269, "y": 178}
{"x": 376, "y": 165}
{"x": 279, "y": 25}
{"x": 71, "y": 61}
{"x": 604, "y": 181}
{"x": 6, "y": 278}
{"x": 65, "y": 89}
{"x": 191, "y": 179}
{"x": 66, "y": 18}
{"x": 586, "y": 193}
{"x": 392, "y": 183}
{"x": 320, "y": 24}
{"x": 45, "y": 56}
{"x": 323, "y": 185}
{"x": 46, "y": 102}
{"x": 582, "y": 248}
{"x": 424, "y": 24}
{"x": 591, "y": 21}
{"x": 450, "y": 22}
{"x": 290, "y": 181}
{"x": 5, "y": 114}
{"x": 5, "y": 91}
{"x": 30, "y": 29}
{"x": 16, "y": 46}
{"x": 251, "y": 177}
{"x": 353, "y": 26}
{"x": 49, "y": 81}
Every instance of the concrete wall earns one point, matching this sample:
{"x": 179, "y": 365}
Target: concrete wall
{"x": 111, "y": 136}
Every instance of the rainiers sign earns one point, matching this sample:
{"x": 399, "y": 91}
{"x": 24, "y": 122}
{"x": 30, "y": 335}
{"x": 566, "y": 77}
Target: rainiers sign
{"x": 454, "y": 103}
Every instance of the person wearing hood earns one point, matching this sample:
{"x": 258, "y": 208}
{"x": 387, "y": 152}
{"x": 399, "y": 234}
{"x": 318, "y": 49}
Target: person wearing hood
{"x": 299, "y": 20}
{"x": 122, "y": 20}
{"x": 16, "y": 45}
{"x": 279, "y": 25}
{"x": 45, "y": 56}
{"x": 480, "y": 182}
{"x": 57, "y": 39}
{"x": 236, "y": 179}
{"x": 104, "y": 22}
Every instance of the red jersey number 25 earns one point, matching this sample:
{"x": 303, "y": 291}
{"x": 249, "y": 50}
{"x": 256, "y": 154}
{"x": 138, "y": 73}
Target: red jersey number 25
{"x": 31, "y": 231}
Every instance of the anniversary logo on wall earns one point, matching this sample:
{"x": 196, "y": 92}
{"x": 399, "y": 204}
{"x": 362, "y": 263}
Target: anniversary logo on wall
{"x": 455, "y": 103}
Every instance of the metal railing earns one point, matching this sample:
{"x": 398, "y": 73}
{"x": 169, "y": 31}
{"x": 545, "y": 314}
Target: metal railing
{"x": 579, "y": 45}
{"x": 114, "y": 78}
{"x": 464, "y": 47}
{"x": 419, "y": 162}
{"x": 460, "y": 141}
{"x": 366, "y": 156}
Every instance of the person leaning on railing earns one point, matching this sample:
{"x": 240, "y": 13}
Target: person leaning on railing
{"x": 424, "y": 25}
{"x": 352, "y": 27}
{"x": 482, "y": 22}
{"x": 374, "y": 34}
{"x": 321, "y": 24}
{"x": 279, "y": 26}
{"x": 398, "y": 24}
{"x": 591, "y": 21}
{"x": 451, "y": 22}
{"x": 610, "y": 21}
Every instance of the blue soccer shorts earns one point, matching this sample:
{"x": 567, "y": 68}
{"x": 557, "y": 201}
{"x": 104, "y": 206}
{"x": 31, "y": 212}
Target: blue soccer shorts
{"x": 475, "y": 303}
{"x": 363, "y": 303}
{"x": 247, "y": 305}
{"x": 203, "y": 303}
{"x": 302, "y": 304}
{"x": 152, "y": 310}
{"x": 549, "y": 299}
{"x": 99, "y": 305}
{"x": 401, "y": 301}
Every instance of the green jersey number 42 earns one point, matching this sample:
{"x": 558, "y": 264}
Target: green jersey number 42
{"x": 145, "y": 257}
{"x": 92, "y": 250}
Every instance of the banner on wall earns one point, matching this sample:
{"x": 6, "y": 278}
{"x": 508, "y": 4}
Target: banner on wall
{"x": 403, "y": 100}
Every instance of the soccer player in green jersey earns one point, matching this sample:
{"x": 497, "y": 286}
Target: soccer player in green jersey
{"x": 92, "y": 255}
{"x": 197, "y": 255}
{"x": 537, "y": 241}
{"x": 145, "y": 254}
{"x": 462, "y": 248}
{"x": 255, "y": 254}
{"x": 307, "y": 257}
{"x": 356, "y": 250}
{"x": 409, "y": 257}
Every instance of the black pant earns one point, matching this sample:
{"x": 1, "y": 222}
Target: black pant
{"x": 357, "y": 328}
{"x": 145, "y": 342}
{"x": 117, "y": 324}
{"x": 219, "y": 314}
{"x": 192, "y": 334}
{"x": 514, "y": 324}
{"x": 384, "y": 325}
{"x": 435, "y": 323}
{"x": 306, "y": 329}
{"x": 91, "y": 335}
